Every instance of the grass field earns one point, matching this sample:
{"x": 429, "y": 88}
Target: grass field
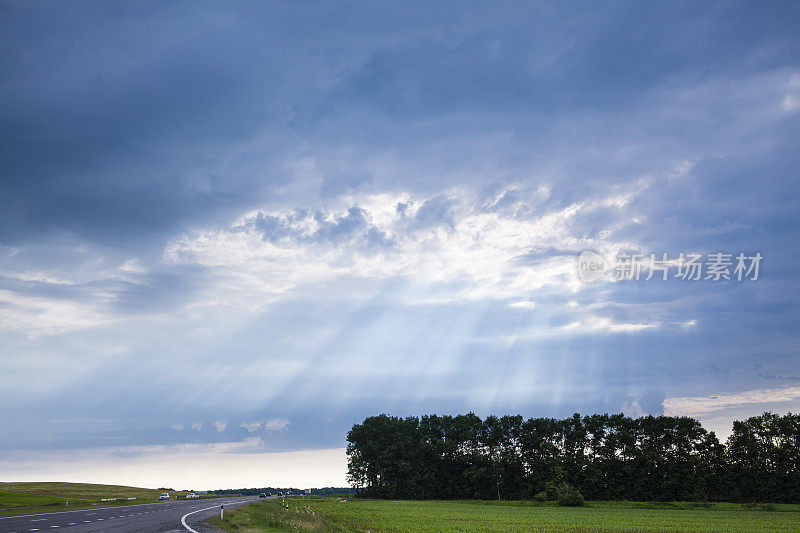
{"x": 22, "y": 498}
{"x": 340, "y": 515}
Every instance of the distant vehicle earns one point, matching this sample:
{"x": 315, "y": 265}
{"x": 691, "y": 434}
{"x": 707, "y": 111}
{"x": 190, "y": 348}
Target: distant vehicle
{"x": 191, "y": 495}
{"x": 164, "y": 496}
{"x": 262, "y": 495}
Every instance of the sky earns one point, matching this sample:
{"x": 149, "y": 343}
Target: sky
{"x": 230, "y": 231}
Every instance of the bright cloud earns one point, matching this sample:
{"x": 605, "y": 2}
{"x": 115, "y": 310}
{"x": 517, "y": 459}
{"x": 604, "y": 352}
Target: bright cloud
{"x": 36, "y": 315}
{"x": 459, "y": 245}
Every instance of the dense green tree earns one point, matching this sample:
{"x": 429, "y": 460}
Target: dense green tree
{"x": 764, "y": 458}
{"x": 603, "y": 456}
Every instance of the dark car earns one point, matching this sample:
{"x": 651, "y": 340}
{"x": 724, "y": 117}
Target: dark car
{"x": 262, "y": 495}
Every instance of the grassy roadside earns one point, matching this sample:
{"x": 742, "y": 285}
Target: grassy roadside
{"x": 340, "y": 515}
{"x": 26, "y": 498}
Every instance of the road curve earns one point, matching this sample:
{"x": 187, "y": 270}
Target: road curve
{"x": 181, "y": 516}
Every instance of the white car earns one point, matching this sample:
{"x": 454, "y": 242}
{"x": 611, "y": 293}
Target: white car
{"x": 164, "y": 496}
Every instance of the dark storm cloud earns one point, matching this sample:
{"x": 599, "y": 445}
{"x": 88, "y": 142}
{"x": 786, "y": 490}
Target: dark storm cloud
{"x": 121, "y": 121}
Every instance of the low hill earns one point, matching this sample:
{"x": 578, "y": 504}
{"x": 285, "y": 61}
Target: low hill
{"x": 32, "y": 497}
{"x": 82, "y": 490}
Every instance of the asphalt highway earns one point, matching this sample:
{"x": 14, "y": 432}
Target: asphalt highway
{"x": 172, "y": 516}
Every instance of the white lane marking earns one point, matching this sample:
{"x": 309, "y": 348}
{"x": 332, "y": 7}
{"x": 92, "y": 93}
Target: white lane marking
{"x": 33, "y": 529}
{"x": 87, "y": 521}
{"x": 53, "y": 526}
{"x": 183, "y": 518}
{"x": 38, "y": 519}
{"x": 72, "y": 524}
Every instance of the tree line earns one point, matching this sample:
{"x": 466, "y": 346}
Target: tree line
{"x": 273, "y": 490}
{"x": 605, "y": 457}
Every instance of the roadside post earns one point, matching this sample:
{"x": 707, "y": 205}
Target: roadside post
{"x": 221, "y": 511}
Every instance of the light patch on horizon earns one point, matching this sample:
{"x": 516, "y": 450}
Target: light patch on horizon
{"x": 234, "y": 464}
{"x": 700, "y": 406}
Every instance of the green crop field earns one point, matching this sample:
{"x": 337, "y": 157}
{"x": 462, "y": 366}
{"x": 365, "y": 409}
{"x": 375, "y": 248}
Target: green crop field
{"x": 22, "y": 498}
{"x": 336, "y": 514}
